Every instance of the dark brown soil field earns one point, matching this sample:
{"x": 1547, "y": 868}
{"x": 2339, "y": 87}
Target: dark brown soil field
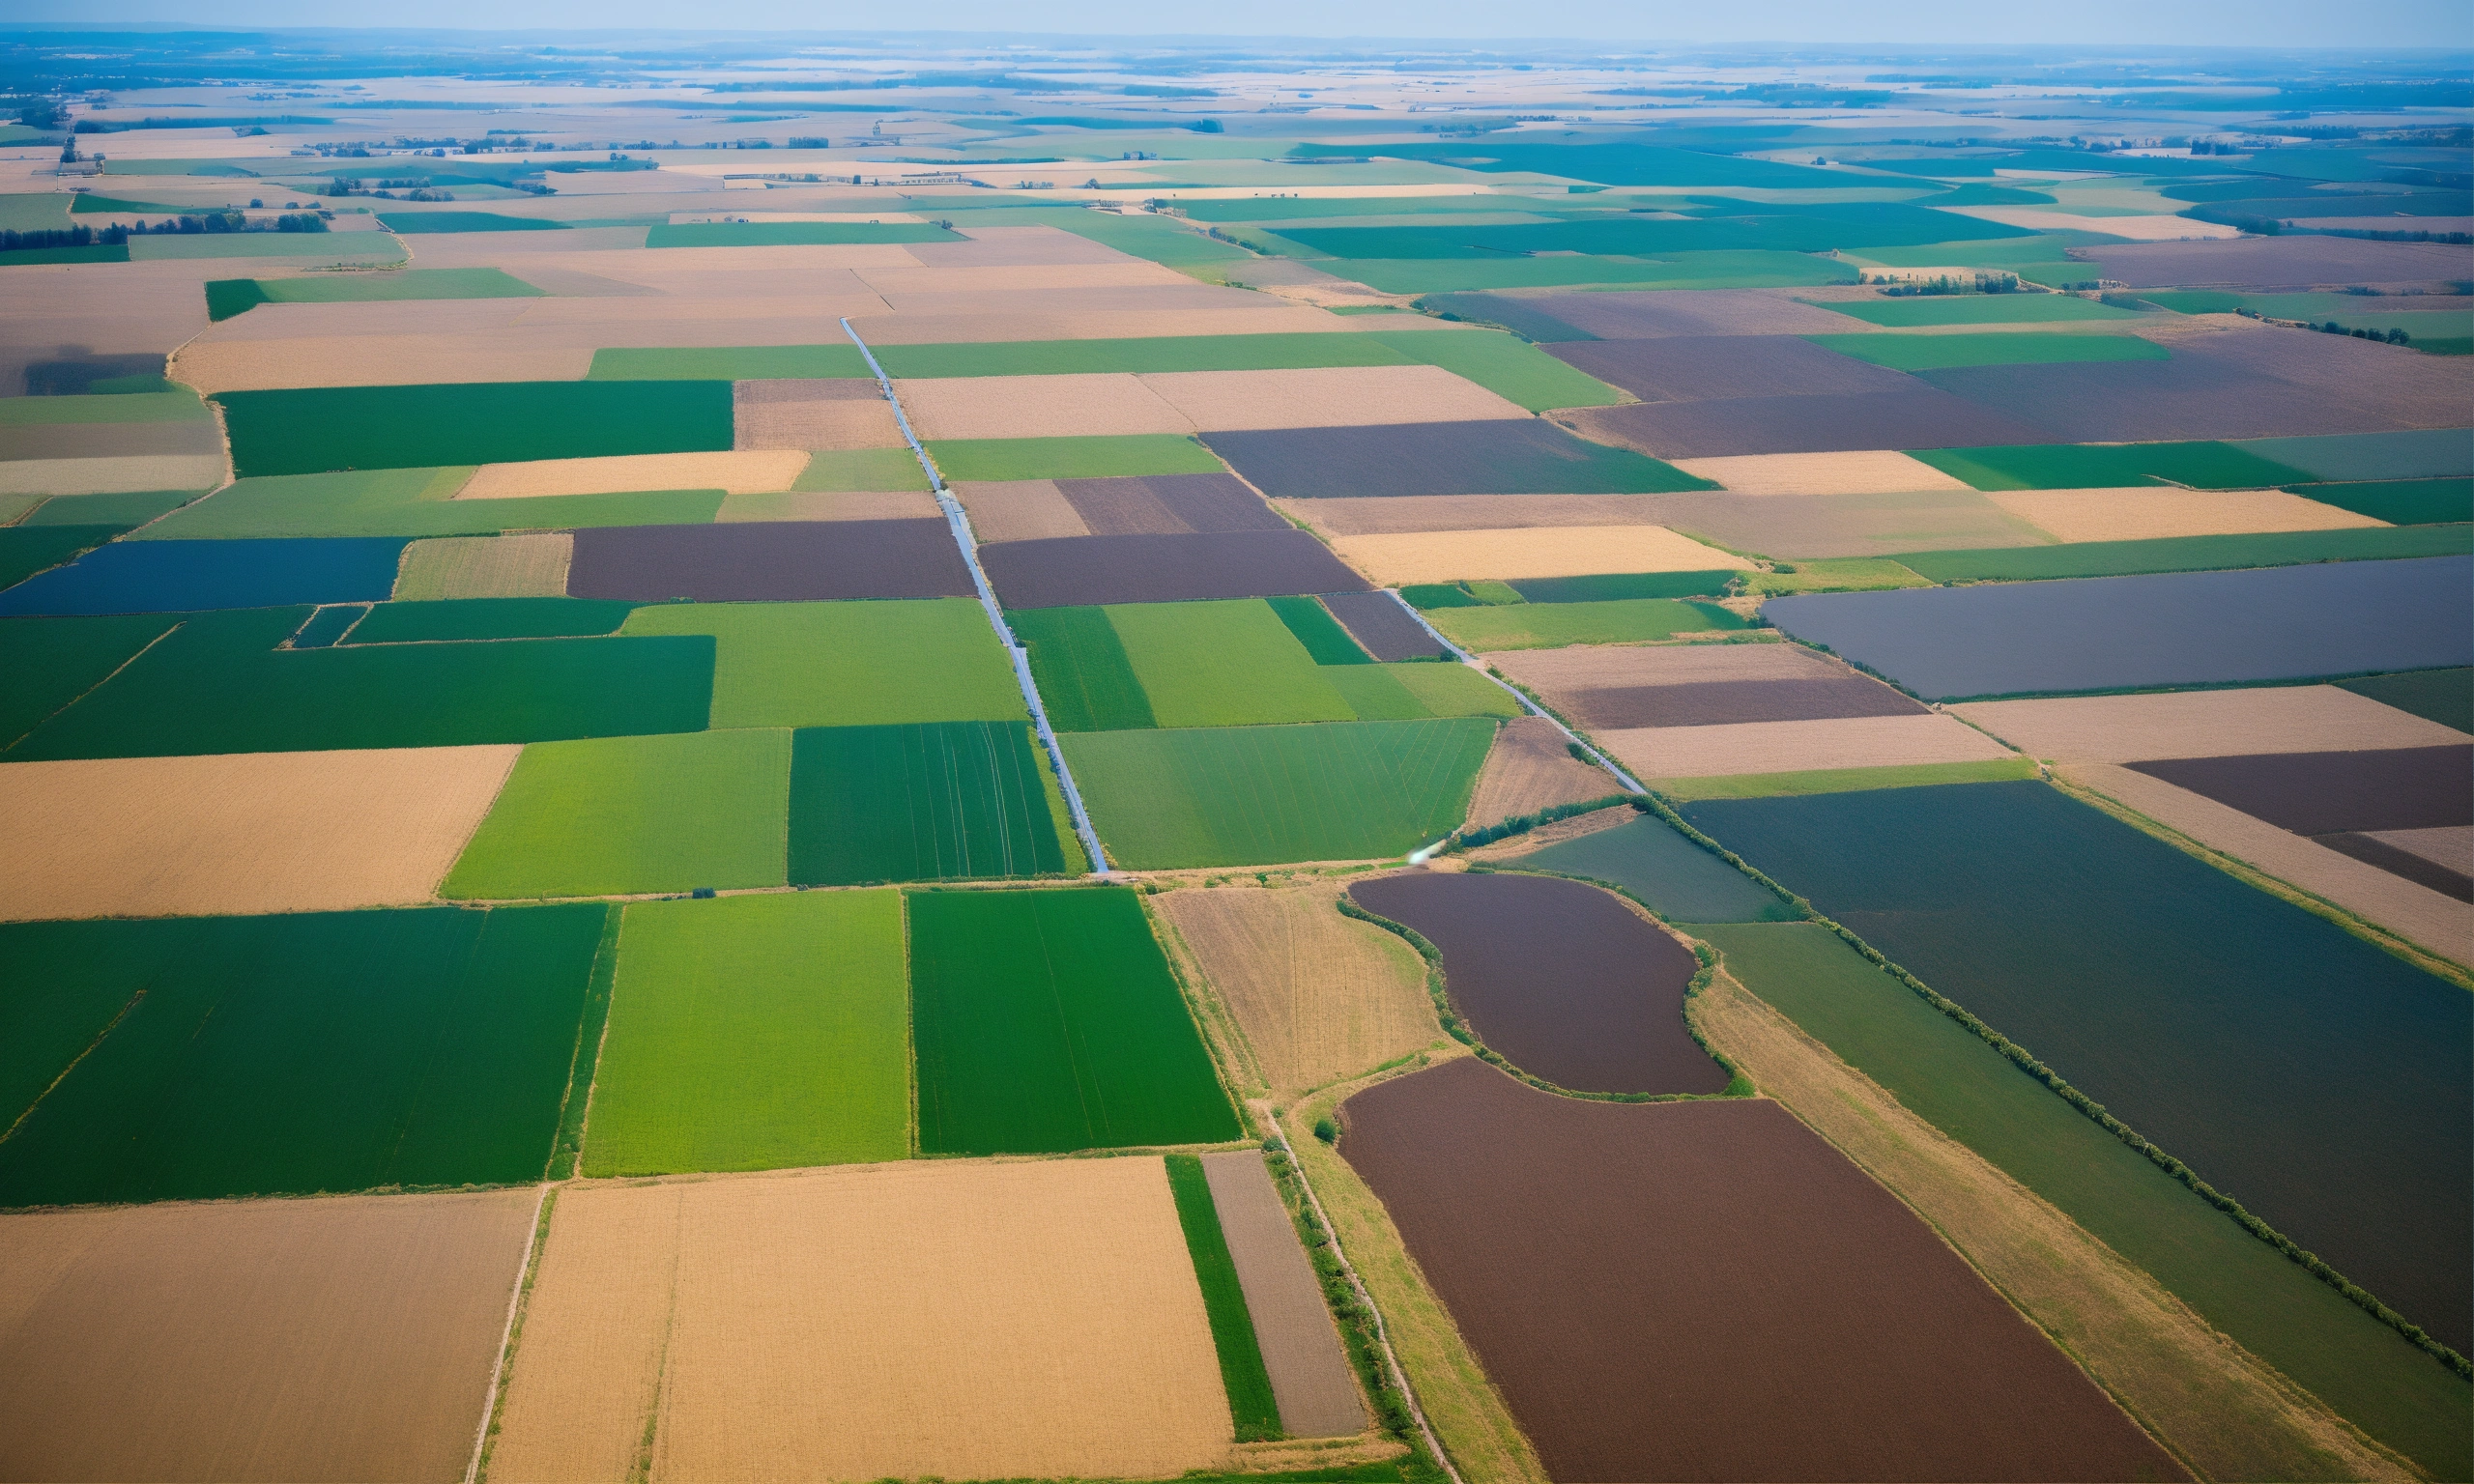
{"x": 2277, "y": 263}
{"x": 1915, "y": 416}
{"x": 1070, "y": 571}
{"x": 1719, "y": 702}
{"x": 1376, "y": 621}
{"x": 2324, "y": 793}
{"x": 1708, "y": 1290}
{"x": 2372, "y": 850}
{"x": 1655, "y": 313}
{"x": 2416, "y": 391}
{"x": 1797, "y": 525}
{"x": 2192, "y": 396}
{"x": 770, "y": 562}
{"x": 1168, "y": 506}
{"x": 1524, "y": 457}
{"x": 1701, "y": 368}
{"x": 1563, "y": 978}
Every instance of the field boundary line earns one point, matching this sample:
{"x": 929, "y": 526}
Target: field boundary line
{"x": 1630, "y": 784}
{"x": 532, "y": 1236}
{"x": 1382, "y": 1335}
{"x": 959, "y": 522}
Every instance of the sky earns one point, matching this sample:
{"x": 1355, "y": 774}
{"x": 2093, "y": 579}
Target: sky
{"x": 2269, "y": 23}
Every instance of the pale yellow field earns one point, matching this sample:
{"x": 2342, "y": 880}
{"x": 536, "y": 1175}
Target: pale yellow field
{"x": 1118, "y": 272}
{"x": 1018, "y": 510}
{"x": 1529, "y": 769}
{"x": 967, "y": 1319}
{"x": 105, "y": 476}
{"x": 1014, "y": 247}
{"x": 1319, "y": 996}
{"x": 1082, "y": 405}
{"x": 1401, "y": 514}
{"x": 241, "y": 833}
{"x": 813, "y": 415}
{"x": 1032, "y": 322}
{"x": 2416, "y": 913}
{"x": 2203, "y": 724}
{"x": 830, "y": 505}
{"x": 746, "y": 472}
{"x": 340, "y": 1338}
{"x": 1327, "y": 397}
{"x": 1597, "y": 666}
{"x": 385, "y": 361}
{"x": 2138, "y": 229}
{"x": 525, "y": 566}
{"x": 2148, "y": 514}
{"x": 966, "y": 306}
{"x": 1877, "y": 471}
{"x": 1550, "y": 551}
{"x": 1797, "y": 747}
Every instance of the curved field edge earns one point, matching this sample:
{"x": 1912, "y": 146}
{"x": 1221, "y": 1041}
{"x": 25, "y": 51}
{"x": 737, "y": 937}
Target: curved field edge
{"x": 1469, "y": 1415}
{"x": 2215, "y": 1406}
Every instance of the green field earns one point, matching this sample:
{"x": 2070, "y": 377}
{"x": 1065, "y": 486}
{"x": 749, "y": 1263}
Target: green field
{"x": 2421, "y": 453}
{"x": 730, "y": 363}
{"x": 1452, "y": 689}
{"x": 2442, "y": 695}
{"x": 198, "y": 1058}
{"x": 1250, "y": 795}
{"x": 2244, "y": 1286}
{"x": 462, "y": 618}
{"x": 1657, "y": 863}
{"x": 1163, "y": 353}
{"x": 847, "y": 664}
{"x": 229, "y": 297}
{"x": 1314, "y": 627}
{"x": 621, "y": 815}
{"x": 314, "y": 430}
{"x": 997, "y": 459}
{"x": 1991, "y": 348}
{"x": 26, "y": 549}
{"x": 47, "y": 663}
{"x": 1046, "y": 1021}
{"x": 2190, "y": 554}
{"x": 1251, "y": 1403}
{"x": 1229, "y": 663}
{"x": 122, "y": 509}
{"x": 1509, "y": 367}
{"x": 418, "y": 223}
{"x": 1552, "y": 625}
{"x": 1977, "y": 309}
{"x": 1081, "y": 668}
{"x": 755, "y": 1033}
{"x": 2399, "y": 501}
{"x": 1374, "y": 693}
{"x": 858, "y": 469}
{"x": 217, "y": 684}
{"x": 793, "y": 233}
{"x": 1833, "y": 574}
{"x": 1915, "y": 775}
{"x": 1610, "y": 587}
{"x": 414, "y": 502}
{"x": 1743, "y": 268}
{"x": 2111, "y": 465}
{"x": 931, "y": 802}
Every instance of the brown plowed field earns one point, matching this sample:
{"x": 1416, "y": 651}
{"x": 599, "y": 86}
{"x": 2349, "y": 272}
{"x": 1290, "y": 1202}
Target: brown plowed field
{"x": 1327, "y": 397}
{"x": 1797, "y": 747}
{"x": 1403, "y": 514}
{"x": 1530, "y": 768}
{"x": 1697, "y": 368}
{"x": 1163, "y": 569}
{"x": 777, "y": 562}
{"x": 741, "y": 473}
{"x": 1310, "y": 1379}
{"x": 1257, "y": 317}
{"x": 239, "y": 833}
{"x": 1375, "y": 620}
{"x": 2321, "y": 793}
{"x": 1797, "y": 526}
{"x": 813, "y": 415}
{"x": 1320, "y": 996}
{"x": 965, "y": 1319}
{"x": 1709, "y": 1291}
{"x": 1559, "y": 675}
{"x": 1913, "y": 416}
{"x": 1168, "y": 506}
{"x": 1723, "y": 702}
{"x": 1080, "y": 404}
{"x": 1550, "y": 551}
{"x": 1656, "y": 313}
{"x": 1018, "y": 510}
{"x": 2277, "y": 262}
{"x": 2203, "y": 724}
{"x": 1013, "y": 247}
{"x": 1564, "y": 979}
{"x": 339, "y": 1338}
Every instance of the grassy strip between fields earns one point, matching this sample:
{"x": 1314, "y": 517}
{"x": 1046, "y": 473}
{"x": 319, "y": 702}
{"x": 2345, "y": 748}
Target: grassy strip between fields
{"x": 1003, "y": 459}
{"x": 568, "y": 1146}
{"x": 1232, "y": 1327}
{"x": 1913, "y": 775}
{"x": 2190, "y": 554}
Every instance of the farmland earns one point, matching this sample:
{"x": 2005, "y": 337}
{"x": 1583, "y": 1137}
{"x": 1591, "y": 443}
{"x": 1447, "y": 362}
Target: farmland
{"x": 1058, "y": 757}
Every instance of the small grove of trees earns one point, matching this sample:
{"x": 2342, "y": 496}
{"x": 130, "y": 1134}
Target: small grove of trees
{"x": 2392, "y": 337}
{"x": 1910, "y": 288}
{"x": 184, "y": 226}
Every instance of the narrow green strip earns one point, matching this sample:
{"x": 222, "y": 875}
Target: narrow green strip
{"x": 1320, "y": 632}
{"x": 588, "y": 1056}
{"x": 1232, "y": 1327}
{"x": 1915, "y": 775}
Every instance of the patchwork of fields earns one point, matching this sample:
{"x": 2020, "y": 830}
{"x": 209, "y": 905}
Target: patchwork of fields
{"x": 1203, "y": 789}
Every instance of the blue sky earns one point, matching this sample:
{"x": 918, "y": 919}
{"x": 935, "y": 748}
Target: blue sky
{"x": 2273, "y": 23}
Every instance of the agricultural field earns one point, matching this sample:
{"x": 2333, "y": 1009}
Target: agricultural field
{"x": 968, "y": 763}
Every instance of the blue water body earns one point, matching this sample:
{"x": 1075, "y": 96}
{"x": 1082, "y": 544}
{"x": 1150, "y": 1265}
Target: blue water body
{"x": 167, "y": 577}
{"x": 2119, "y": 633}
